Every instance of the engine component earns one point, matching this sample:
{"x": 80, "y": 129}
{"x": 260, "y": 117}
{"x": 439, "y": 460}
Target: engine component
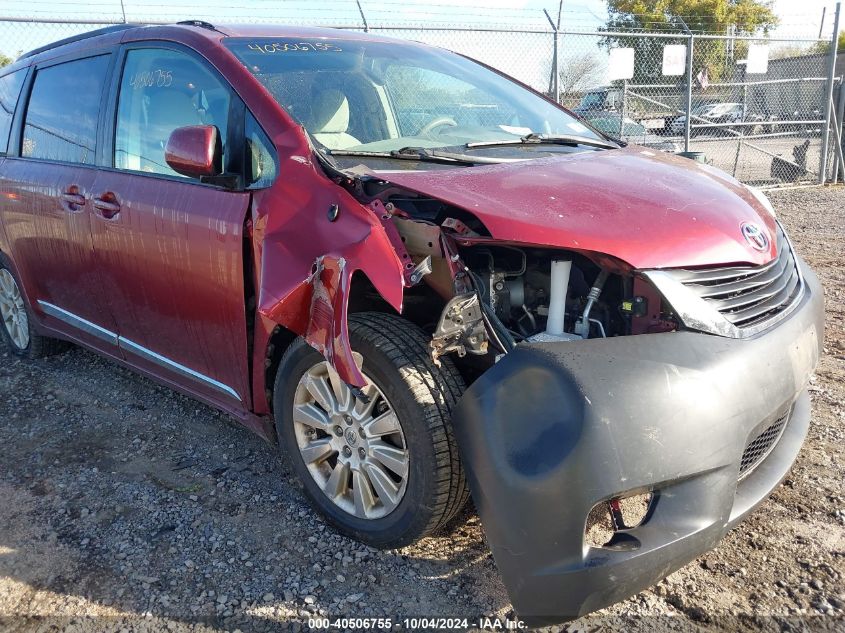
{"x": 635, "y": 306}
{"x": 421, "y": 270}
{"x": 557, "y": 296}
{"x": 461, "y": 328}
{"x": 531, "y": 294}
{"x": 582, "y": 326}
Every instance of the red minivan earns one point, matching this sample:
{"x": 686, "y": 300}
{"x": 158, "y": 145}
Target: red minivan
{"x": 421, "y": 279}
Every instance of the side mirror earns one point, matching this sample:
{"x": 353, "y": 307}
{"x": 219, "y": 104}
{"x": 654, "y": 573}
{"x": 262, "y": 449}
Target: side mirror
{"x": 195, "y": 151}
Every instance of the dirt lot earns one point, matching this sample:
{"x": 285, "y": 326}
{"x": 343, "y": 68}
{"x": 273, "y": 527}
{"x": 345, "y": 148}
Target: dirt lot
{"x": 126, "y": 506}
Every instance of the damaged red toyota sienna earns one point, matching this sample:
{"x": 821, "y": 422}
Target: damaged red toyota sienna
{"x": 421, "y": 279}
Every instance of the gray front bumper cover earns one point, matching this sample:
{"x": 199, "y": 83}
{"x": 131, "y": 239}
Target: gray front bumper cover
{"x": 553, "y": 429}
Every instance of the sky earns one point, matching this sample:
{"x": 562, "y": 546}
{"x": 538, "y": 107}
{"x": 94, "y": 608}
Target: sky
{"x": 524, "y": 56}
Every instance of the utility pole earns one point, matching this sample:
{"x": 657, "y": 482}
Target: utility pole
{"x": 831, "y": 73}
{"x": 555, "y": 78}
{"x": 690, "y": 47}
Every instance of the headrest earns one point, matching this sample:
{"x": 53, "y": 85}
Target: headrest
{"x": 329, "y": 112}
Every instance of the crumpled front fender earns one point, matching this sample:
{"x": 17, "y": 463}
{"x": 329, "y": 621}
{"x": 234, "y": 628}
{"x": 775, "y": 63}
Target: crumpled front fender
{"x": 306, "y": 254}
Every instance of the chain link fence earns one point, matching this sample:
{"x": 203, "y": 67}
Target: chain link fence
{"x": 699, "y": 93}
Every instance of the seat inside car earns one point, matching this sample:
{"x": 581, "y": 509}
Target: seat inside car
{"x": 330, "y": 119}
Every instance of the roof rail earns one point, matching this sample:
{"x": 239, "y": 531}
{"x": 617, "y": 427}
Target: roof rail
{"x": 199, "y": 23}
{"x": 77, "y": 38}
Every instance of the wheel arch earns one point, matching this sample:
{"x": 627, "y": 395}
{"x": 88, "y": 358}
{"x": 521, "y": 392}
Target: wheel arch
{"x": 7, "y": 261}
{"x": 361, "y": 296}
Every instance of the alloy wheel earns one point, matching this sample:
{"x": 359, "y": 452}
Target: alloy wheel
{"x": 354, "y": 450}
{"x": 13, "y": 310}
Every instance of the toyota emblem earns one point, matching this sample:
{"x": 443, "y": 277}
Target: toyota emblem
{"x": 755, "y": 236}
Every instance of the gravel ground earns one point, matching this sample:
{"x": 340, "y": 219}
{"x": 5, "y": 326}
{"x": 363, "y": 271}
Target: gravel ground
{"x": 126, "y": 506}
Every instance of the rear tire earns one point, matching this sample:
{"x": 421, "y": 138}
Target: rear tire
{"x": 421, "y": 485}
{"x": 16, "y": 322}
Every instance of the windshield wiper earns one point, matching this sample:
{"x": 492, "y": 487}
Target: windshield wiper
{"x": 423, "y": 154}
{"x": 547, "y": 139}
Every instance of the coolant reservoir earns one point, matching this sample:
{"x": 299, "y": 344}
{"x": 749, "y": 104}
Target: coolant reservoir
{"x": 557, "y": 295}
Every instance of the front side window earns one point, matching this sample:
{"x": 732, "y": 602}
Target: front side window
{"x": 10, "y": 90}
{"x": 61, "y": 118}
{"x": 161, "y": 90}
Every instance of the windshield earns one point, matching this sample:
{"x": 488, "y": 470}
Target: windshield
{"x": 385, "y": 96}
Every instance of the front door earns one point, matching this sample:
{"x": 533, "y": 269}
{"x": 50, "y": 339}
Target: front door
{"x": 170, "y": 247}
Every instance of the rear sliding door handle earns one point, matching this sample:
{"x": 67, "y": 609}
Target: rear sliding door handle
{"x": 106, "y": 205}
{"x": 73, "y": 200}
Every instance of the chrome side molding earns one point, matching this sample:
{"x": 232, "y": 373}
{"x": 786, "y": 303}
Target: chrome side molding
{"x": 166, "y": 363}
{"x": 78, "y": 322}
{"x": 139, "y": 350}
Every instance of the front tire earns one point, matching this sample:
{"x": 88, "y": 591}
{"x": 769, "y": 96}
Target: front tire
{"x": 16, "y": 323}
{"x": 386, "y": 472}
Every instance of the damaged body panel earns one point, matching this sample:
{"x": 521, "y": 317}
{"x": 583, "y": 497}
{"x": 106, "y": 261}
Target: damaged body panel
{"x": 593, "y": 201}
{"x": 621, "y": 416}
{"x": 304, "y": 283}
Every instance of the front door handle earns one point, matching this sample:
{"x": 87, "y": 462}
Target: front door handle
{"x": 73, "y": 200}
{"x": 107, "y": 205}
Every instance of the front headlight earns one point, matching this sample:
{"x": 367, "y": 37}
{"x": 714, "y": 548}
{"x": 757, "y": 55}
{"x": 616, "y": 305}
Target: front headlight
{"x": 763, "y": 200}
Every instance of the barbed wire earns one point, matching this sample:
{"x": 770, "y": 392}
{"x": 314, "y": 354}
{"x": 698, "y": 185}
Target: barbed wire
{"x": 379, "y": 12}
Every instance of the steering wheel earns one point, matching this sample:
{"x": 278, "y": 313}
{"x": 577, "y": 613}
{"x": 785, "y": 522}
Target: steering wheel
{"x": 440, "y": 121}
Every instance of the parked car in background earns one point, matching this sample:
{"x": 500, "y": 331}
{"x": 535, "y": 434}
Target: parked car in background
{"x": 710, "y": 119}
{"x": 603, "y": 99}
{"x": 713, "y": 113}
{"x": 612, "y": 125}
{"x": 609, "y": 99}
{"x": 803, "y": 122}
{"x": 676, "y": 124}
{"x": 418, "y": 278}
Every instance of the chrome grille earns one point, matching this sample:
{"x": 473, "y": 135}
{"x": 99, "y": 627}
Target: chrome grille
{"x": 748, "y": 295}
{"x": 762, "y": 444}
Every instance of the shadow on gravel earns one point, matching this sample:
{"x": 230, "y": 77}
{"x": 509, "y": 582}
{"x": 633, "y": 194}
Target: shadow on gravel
{"x": 126, "y": 502}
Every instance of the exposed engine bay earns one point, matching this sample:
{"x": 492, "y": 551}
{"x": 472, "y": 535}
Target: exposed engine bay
{"x": 500, "y": 294}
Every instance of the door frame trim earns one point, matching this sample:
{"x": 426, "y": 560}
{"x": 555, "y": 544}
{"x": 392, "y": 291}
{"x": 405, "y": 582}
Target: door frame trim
{"x": 138, "y": 350}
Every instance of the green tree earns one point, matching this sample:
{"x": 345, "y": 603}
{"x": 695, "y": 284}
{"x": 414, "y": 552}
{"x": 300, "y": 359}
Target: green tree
{"x": 5, "y": 60}
{"x": 824, "y": 47}
{"x": 744, "y": 17}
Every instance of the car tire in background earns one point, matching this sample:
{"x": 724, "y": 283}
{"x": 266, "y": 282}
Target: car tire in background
{"x": 16, "y": 322}
{"x": 385, "y": 471}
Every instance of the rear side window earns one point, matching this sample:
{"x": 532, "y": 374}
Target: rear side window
{"x": 10, "y": 90}
{"x": 161, "y": 90}
{"x": 61, "y": 118}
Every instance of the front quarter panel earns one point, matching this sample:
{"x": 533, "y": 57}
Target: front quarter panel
{"x": 306, "y": 255}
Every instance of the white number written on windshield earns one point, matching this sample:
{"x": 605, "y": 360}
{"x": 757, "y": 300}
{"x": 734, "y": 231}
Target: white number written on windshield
{"x": 285, "y": 47}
